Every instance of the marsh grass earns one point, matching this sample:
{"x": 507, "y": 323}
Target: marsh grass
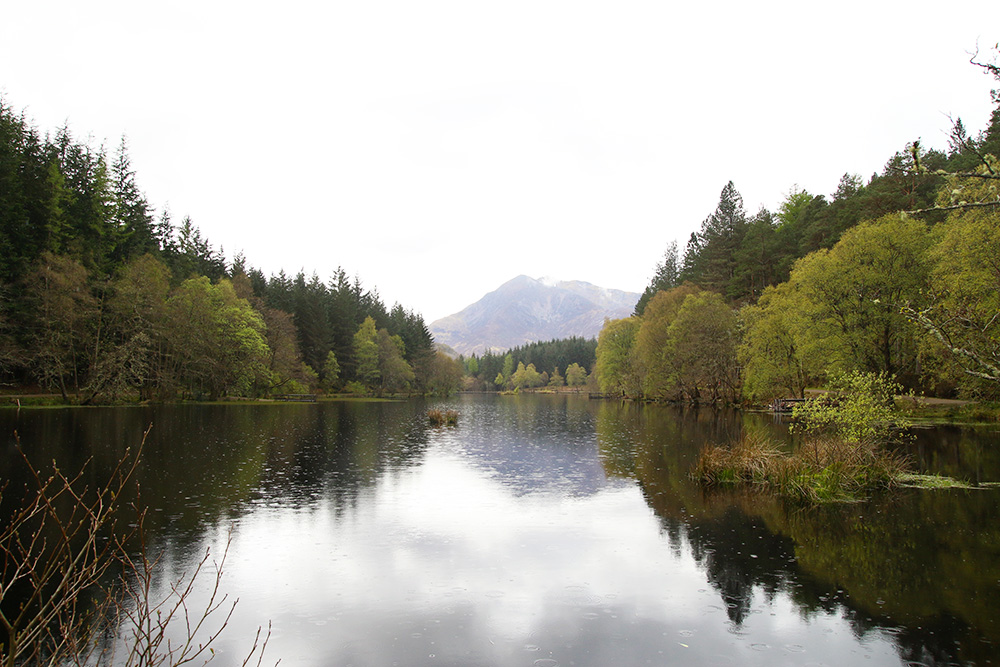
{"x": 824, "y": 469}
{"x": 442, "y": 417}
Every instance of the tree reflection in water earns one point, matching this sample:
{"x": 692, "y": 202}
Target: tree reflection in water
{"x": 921, "y": 567}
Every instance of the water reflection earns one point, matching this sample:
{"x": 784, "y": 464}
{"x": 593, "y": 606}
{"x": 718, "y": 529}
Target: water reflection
{"x": 544, "y": 530}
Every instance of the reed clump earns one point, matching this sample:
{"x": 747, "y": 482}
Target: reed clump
{"x": 823, "y": 469}
{"x": 442, "y": 417}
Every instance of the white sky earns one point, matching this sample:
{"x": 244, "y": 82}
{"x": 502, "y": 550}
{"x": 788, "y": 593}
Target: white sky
{"x": 438, "y": 149}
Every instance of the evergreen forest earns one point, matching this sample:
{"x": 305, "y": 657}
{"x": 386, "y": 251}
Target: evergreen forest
{"x": 104, "y": 299}
{"x": 895, "y": 275}
{"x": 555, "y": 363}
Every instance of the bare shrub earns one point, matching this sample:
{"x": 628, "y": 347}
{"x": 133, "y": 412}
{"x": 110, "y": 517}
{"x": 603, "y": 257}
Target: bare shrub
{"x": 56, "y": 548}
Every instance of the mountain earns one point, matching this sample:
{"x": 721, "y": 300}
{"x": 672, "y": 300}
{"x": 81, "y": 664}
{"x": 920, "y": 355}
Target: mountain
{"x": 525, "y": 310}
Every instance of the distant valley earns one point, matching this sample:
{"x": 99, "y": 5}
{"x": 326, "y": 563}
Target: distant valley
{"x": 525, "y": 309}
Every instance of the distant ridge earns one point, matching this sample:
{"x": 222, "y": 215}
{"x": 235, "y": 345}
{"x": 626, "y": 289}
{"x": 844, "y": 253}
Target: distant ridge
{"x": 525, "y": 309}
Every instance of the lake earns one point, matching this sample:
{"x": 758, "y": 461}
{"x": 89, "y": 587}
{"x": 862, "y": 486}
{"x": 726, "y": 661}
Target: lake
{"x": 541, "y": 531}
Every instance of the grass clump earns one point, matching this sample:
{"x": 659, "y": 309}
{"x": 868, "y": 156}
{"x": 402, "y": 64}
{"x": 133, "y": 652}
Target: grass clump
{"x": 825, "y": 469}
{"x": 442, "y": 417}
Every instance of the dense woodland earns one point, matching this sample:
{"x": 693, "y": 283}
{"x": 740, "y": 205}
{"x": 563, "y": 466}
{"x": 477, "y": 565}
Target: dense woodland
{"x": 555, "y": 363}
{"x": 897, "y": 274}
{"x": 102, "y": 299}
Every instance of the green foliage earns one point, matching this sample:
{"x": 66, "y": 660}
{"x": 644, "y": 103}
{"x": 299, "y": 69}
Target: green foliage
{"x": 769, "y": 348}
{"x": 356, "y": 388}
{"x": 576, "y": 375}
{"x": 366, "y": 354}
{"x": 443, "y": 375}
{"x": 701, "y": 349}
{"x": 395, "y": 373}
{"x": 848, "y": 299}
{"x": 667, "y": 277}
{"x": 684, "y": 349}
{"x": 331, "y": 371}
{"x": 559, "y": 353}
{"x": 218, "y": 339}
{"x": 859, "y": 407}
{"x": 68, "y": 207}
{"x": 793, "y": 207}
{"x": 526, "y": 377}
{"x": 616, "y": 366}
{"x": 63, "y": 308}
{"x": 710, "y": 257}
{"x": 653, "y": 354}
{"x": 962, "y": 314}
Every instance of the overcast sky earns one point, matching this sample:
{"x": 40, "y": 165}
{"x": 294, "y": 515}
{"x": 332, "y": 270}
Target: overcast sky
{"x": 438, "y": 149}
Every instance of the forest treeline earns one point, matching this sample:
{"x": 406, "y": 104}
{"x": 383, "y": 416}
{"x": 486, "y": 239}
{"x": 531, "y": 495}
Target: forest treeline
{"x": 554, "y": 363}
{"x": 899, "y": 274}
{"x": 101, "y": 299}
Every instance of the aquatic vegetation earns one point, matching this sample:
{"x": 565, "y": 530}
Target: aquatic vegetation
{"x": 824, "y": 469}
{"x": 442, "y": 417}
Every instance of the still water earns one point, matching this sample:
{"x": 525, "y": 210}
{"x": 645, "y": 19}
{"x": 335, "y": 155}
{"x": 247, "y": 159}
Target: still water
{"x": 541, "y": 531}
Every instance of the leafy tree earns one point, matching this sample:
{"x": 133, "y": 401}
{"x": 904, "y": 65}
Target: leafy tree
{"x": 444, "y": 375}
{"x": 331, "y": 371}
{"x": 217, "y": 339}
{"x": 135, "y": 345}
{"x": 851, "y": 296}
{"x": 701, "y": 349}
{"x": 860, "y": 407}
{"x": 285, "y": 362}
{"x": 393, "y": 370}
{"x": 63, "y": 309}
{"x": 963, "y": 311}
{"x": 652, "y": 342}
{"x": 576, "y": 375}
{"x": 556, "y": 380}
{"x": 769, "y": 353}
{"x": 793, "y": 207}
{"x": 508, "y": 369}
{"x": 366, "y": 353}
{"x": 616, "y": 365}
{"x": 526, "y": 377}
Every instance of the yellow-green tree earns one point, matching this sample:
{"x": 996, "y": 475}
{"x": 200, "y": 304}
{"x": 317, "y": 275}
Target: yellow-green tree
{"x": 217, "y": 340}
{"x": 769, "y": 349}
{"x": 526, "y": 377}
{"x": 651, "y": 349}
{"x": 701, "y": 349}
{"x": 616, "y": 364}
{"x": 366, "y": 353}
{"x": 132, "y": 354}
{"x": 850, "y": 298}
{"x": 576, "y": 375}
{"x": 443, "y": 374}
{"x": 63, "y": 311}
{"x": 963, "y": 311}
{"x": 394, "y": 371}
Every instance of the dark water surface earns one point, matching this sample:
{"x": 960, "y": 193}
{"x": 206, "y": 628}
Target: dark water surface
{"x": 542, "y": 531}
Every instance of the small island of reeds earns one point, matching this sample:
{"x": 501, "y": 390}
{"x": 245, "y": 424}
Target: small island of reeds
{"x": 855, "y": 439}
{"x": 442, "y": 417}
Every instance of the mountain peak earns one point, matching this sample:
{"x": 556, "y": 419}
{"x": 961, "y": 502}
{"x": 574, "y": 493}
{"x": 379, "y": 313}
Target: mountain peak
{"x": 526, "y": 309}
